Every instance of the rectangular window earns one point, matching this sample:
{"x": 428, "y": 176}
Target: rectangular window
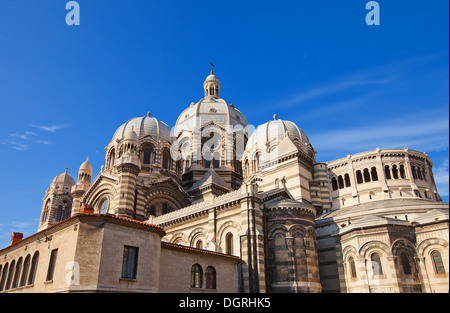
{"x": 51, "y": 264}
{"x": 129, "y": 263}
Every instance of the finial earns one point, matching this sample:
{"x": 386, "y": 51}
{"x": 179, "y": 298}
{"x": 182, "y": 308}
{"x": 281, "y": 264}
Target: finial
{"x": 87, "y": 158}
{"x": 212, "y": 65}
{"x": 148, "y": 114}
{"x": 274, "y": 116}
{"x": 67, "y": 169}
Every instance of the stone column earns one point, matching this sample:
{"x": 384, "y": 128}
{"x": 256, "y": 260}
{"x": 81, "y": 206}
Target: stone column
{"x": 125, "y": 200}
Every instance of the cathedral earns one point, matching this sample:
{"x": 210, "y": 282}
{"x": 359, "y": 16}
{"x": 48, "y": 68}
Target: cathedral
{"x": 211, "y": 206}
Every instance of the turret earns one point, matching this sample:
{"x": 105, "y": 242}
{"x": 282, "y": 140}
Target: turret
{"x": 82, "y": 185}
{"x": 57, "y": 202}
{"x": 211, "y": 86}
{"x": 128, "y": 167}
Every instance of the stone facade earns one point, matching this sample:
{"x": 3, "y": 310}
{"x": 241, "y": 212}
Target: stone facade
{"x": 213, "y": 207}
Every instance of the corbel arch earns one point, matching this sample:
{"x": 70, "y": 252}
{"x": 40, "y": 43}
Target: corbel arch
{"x": 198, "y": 233}
{"x": 179, "y": 238}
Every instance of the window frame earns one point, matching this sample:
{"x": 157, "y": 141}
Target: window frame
{"x": 129, "y": 262}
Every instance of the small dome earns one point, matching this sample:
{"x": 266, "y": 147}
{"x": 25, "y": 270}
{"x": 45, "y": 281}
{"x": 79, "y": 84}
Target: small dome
{"x": 131, "y": 135}
{"x": 143, "y": 127}
{"x": 212, "y": 78}
{"x": 86, "y": 166}
{"x": 275, "y": 131}
{"x": 63, "y": 180}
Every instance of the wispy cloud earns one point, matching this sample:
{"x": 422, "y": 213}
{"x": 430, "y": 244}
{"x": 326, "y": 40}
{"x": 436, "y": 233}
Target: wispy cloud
{"x": 52, "y": 128}
{"x": 370, "y": 78}
{"x": 22, "y": 141}
{"x": 27, "y": 227}
{"x": 427, "y": 133}
{"x": 24, "y": 136}
{"x": 19, "y": 146}
{"x": 441, "y": 178}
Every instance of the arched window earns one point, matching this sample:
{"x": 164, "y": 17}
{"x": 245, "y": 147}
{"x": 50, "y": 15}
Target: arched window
{"x": 165, "y": 208}
{"x": 196, "y": 276}
{"x": 199, "y": 244}
{"x": 366, "y": 175}
{"x": 406, "y": 264}
{"x": 256, "y": 162}
{"x": 152, "y": 210}
{"x": 112, "y": 158}
{"x": 104, "y": 206}
{"x": 347, "y": 180}
{"x": 147, "y": 157}
{"x": 15, "y": 282}
{"x": 351, "y": 263}
{"x": 4, "y": 275}
{"x": 34, "y": 264}
{"x": 402, "y": 171}
{"x": 210, "y": 278}
{"x": 229, "y": 243}
{"x": 374, "y": 173}
{"x": 340, "y": 182}
{"x": 334, "y": 183}
{"x": 26, "y": 269}
{"x": 387, "y": 172}
{"x": 394, "y": 171}
{"x": 12, "y": 267}
{"x": 359, "y": 178}
{"x": 376, "y": 264}
{"x": 166, "y": 160}
{"x": 437, "y": 262}
{"x": 45, "y": 213}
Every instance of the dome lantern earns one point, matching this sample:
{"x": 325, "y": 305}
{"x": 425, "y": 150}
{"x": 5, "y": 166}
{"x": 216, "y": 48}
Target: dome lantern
{"x": 212, "y": 86}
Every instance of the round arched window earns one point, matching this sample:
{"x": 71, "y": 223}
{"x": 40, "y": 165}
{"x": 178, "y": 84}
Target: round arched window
{"x": 104, "y": 206}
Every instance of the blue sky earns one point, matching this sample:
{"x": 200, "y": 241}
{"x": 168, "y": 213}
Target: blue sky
{"x": 351, "y": 87}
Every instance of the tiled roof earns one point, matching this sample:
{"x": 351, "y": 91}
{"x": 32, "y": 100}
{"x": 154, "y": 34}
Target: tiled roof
{"x": 109, "y": 217}
{"x": 197, "y": 250}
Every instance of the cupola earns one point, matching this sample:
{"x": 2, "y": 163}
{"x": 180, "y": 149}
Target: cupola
{"x": 211, "y": 86}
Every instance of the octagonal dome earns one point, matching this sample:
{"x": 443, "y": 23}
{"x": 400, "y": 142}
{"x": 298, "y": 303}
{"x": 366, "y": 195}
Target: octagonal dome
{"x": 63, "y": 180}
{"x": 206, "y": 111}
{"x": 143, "y": 127}
{"x": 275, "y": 131}
{"x": 209, "y": 109}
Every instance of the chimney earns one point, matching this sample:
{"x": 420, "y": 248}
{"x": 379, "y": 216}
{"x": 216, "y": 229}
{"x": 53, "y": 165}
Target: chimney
{"x": 85, "y": 208}
{"x": 16, "y": 237}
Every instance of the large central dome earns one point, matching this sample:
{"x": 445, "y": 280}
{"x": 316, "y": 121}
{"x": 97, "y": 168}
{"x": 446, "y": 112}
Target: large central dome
{"x": 209, "y": 109}
{"x": 211, "y": 135}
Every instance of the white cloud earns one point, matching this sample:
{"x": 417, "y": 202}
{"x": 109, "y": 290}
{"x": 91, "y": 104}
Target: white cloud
{"x": 52, "y": 128}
